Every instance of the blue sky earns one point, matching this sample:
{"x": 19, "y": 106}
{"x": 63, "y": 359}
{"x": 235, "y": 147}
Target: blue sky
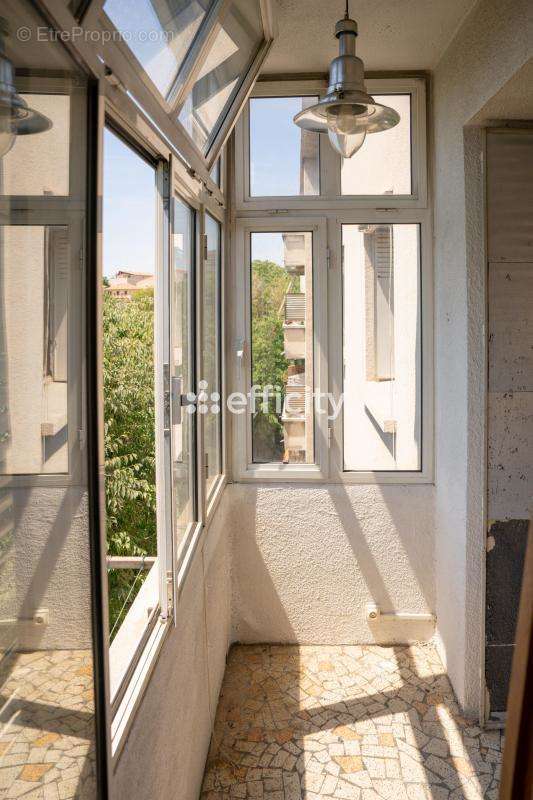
{"x": 267, "y": 247}
{"x": 129, "y": 209}
{"x": 129, "y": 213}
{"x": 274, "y": 146}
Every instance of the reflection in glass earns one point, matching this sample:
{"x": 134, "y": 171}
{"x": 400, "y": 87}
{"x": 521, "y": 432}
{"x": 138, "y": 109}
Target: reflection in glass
{"x": 382, "y": 367}
{"x": 46, "y": 672}
{"x": 37, "y": 264}
{"x": 38, "y": 178}
{"x": 159, "y": 34}
{"x": 383, "y": 164}
{"x": 282, "y": 347}
{"x": 181, "y": 369}
{"x": 284, "y": 159}
{"x": 223, "y": 71}
{"x": 211, "y": 352}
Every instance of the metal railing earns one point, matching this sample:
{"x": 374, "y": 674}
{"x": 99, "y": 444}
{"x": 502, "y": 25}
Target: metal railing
{"x": 130, "y": 562}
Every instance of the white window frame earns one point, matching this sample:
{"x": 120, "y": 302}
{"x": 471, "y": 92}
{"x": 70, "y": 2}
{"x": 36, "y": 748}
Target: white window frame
{"x": 125, "y": 116}
{"x": 426, "y": 473}
{"x": 329, "y": 211}
{"x": 216, "y": 213}
{"x": 244, "y": 468}
{"x": 330, "y": 163}
{"x": 153, "y": 603}
{"x": 114, "y": 63}
{"x": 61, "y": 211}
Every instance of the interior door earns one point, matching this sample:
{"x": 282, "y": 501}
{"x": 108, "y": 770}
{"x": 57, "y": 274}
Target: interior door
{"x": 182, "y": 375}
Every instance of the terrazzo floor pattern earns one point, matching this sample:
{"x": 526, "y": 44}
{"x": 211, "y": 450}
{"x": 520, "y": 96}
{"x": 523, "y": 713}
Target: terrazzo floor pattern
{"x": 353, "y": 723}
{"x": 47, "y": 726}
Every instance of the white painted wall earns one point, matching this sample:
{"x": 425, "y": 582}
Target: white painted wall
{"x": 307, "y": 560}
{"x": 164, "y": 756}
{"x": 494, "y": 42}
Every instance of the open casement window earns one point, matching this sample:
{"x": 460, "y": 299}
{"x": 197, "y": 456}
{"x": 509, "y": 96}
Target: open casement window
{"x": 278, "y": 163}
{"x": 181, "y": 425}
{"x": 190, "y": 63}
{"x": 132, "y": 304}
{"x": 167, "y": 310}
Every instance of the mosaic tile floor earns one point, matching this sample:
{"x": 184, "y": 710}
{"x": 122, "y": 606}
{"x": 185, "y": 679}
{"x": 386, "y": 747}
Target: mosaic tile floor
{"x": 354, "y": 723}
{"x": 47, "y": 726}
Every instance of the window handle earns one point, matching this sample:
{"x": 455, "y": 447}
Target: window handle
{"x": 175, "y": 399}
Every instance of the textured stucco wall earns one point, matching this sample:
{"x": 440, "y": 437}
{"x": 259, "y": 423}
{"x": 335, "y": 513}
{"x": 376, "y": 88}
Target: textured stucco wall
{"x": 164, "y": 755}
{"x": 50, "y": 560}
{"x": 307, "y": 560}
{"x": 494, "y": 42}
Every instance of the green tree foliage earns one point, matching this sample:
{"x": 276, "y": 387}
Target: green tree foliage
{"x": 270, "y": 283}
{"x": 129, "y": 436}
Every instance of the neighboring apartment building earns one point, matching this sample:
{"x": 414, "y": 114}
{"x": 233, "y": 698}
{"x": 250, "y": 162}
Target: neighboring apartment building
{"x": 297, "y": 413}
{"x": 127, "y": 283}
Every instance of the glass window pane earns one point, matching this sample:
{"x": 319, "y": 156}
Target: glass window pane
{"x": 159, "y": 34}
{"x": 383, "y": 164}
{"x": 215, "y": 172}
{"x": 46, "y": 631}
{"x": 282, "y": 347}
{"x": 182, "y": 368}
{"x": 25, "y": 171}
{"x": 129, "y": 235}
{"x": 382, "y": 363}
{"x": 284, "y": 159}
{"x": 211, "y": 351}
{"x": 220, "y": 78}
{"x": 36, "y": 288}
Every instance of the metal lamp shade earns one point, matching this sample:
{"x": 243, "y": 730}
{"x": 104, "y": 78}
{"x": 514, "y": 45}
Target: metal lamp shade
{"x": 347, "y": 93}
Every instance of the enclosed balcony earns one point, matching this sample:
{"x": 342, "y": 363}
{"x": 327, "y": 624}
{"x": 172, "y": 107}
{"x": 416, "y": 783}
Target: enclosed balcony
{"x": 266, "y": 399}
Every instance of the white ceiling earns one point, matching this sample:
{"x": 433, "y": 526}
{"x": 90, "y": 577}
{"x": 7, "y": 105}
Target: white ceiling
{"x": 393, "y": 34}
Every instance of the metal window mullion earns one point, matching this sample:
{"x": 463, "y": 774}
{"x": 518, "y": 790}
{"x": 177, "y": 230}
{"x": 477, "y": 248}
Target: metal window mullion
{"x": 196, "y": 57}
{"x": 198, "y": 360}
{"x": 88, "y": 10}
{"x": 161, "y": 357}
{"x": 172, "y": 129}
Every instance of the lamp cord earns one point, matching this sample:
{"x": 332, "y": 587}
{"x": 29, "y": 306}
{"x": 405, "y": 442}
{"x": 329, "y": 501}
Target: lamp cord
{"x": 347, "y": 12}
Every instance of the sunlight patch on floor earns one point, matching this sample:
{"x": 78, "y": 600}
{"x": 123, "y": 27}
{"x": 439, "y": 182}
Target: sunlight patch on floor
{"x": 353, "y": 723}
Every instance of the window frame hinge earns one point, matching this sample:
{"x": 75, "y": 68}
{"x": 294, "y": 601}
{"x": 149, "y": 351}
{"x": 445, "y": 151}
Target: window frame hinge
{"x": 203, "y": 247}
{"x": 329, "y": 260}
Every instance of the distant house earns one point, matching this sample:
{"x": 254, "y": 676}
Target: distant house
{"x": 126, "y": 283}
